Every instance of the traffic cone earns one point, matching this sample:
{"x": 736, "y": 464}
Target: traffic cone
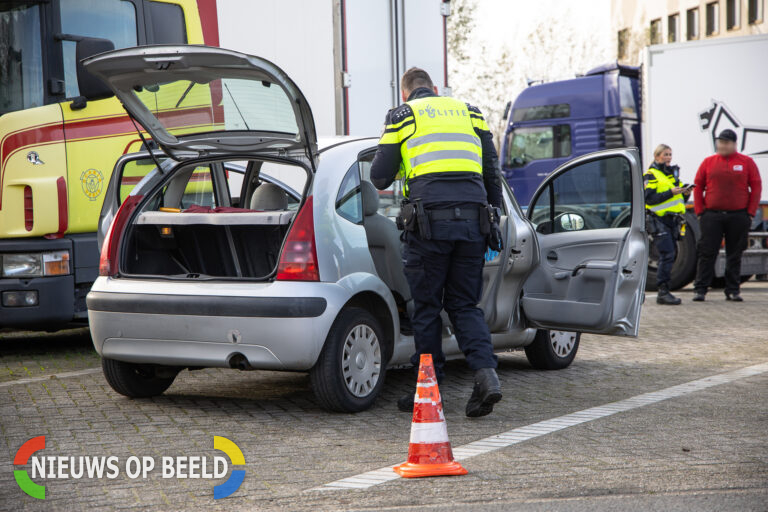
{"x": 429, "y": 453}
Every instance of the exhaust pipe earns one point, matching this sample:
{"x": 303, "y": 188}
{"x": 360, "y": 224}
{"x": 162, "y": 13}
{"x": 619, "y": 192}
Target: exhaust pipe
{"x": 240, "y": 362}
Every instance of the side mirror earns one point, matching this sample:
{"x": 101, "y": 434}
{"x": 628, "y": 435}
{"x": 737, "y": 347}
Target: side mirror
{"x": 571, "y": 222}
{"x": 506, "y": 110}
{"x": 91, "y": 88}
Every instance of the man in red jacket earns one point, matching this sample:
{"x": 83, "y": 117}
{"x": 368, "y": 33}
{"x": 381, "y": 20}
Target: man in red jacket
{"x": 727, "y": 192}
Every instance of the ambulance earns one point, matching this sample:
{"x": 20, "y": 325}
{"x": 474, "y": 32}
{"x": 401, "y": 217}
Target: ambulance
{"x": 61, "y": 132}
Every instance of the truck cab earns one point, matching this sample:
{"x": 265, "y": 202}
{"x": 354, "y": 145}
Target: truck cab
{"x": 551, "y": 123}
{"x": 60, "y": 138}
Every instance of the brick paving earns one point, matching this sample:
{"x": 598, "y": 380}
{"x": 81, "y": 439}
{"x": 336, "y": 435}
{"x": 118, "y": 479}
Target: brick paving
{"x": 715, "y": 440}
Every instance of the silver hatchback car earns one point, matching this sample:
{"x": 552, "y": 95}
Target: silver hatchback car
{"x": 242, "y": 245}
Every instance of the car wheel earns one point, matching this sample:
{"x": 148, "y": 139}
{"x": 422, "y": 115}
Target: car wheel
{"x": 137, "y": 380}
{"x": 552, "y": 350}
{"x": 349, "y": 373}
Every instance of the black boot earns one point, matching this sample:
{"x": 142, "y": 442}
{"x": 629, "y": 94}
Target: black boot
{"x": 735, "y": 297}
{"x": 405, "y": 402}
{"x": 665, "y": 297}
{"x": 487, "y": 391}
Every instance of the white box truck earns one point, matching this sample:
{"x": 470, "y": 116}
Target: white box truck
{"x": 694, "y": 90}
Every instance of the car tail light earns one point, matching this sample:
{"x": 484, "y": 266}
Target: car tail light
{"x": 298, "y": 261}
{"x": 29, "y": 218}
{"x": 108, "y": 261}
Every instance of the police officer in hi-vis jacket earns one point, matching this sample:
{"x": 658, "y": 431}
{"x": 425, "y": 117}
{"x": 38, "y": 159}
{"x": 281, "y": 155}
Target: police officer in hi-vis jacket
{"x": 443, "y": 151}
{"x": 665, "y": 198}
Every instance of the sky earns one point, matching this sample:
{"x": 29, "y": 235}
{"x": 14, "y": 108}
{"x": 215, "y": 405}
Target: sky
{"x": 505, "y": 20}
{"x": 573, "y": 37}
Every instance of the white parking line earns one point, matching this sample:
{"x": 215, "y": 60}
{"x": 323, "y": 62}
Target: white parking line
{"x": 518, "y": 435}
{"x": 76, "y": 373}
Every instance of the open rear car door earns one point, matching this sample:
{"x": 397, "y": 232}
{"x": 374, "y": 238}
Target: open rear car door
{"x": 589, "y": 219}
{"x": 199, "y": 101}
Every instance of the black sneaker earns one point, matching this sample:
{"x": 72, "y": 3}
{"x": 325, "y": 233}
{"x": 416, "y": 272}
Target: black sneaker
{"x": 486, "y": 393}
{"x": 735, "y": 297}
{"x": 699, "y": 297}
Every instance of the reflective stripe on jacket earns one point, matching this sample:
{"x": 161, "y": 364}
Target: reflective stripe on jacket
{"x": 439, "y": 137}
{"x": 660, "y": 182}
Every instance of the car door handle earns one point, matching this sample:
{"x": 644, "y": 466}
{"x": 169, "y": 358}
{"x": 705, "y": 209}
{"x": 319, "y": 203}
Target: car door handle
{"x": 594, "y": 265}
{"x": 552, "y": 256}
{"x": 577, "y": 268}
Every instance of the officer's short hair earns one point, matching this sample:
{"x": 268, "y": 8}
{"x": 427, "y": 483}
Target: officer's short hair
{"x": 415, "y": 78}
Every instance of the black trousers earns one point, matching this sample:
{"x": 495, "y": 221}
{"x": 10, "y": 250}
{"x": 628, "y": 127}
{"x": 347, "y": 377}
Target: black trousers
{"x": 734, "y": 226}
{"x": 447, "y": 272}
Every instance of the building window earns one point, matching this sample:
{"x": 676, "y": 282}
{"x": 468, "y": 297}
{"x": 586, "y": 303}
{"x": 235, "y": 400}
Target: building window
{"x": 713, "y": 18}
{"x": 755, "y": 14}
{"x": 656, "y": 31}
{"x": 692, "y": 23}
{"x": 732, "y": 14}
{"x": 673, "y": 26}
{"x": 623, "y": 49}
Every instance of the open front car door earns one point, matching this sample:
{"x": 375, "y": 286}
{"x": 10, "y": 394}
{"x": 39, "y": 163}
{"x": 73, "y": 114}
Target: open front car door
{"x": 589, "y": 219}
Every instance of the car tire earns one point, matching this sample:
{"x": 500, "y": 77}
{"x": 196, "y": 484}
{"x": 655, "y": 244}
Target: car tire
{"x": 552, "y": 349}
{"x": 349, "y": 374}
{"x": 137, "y": 380}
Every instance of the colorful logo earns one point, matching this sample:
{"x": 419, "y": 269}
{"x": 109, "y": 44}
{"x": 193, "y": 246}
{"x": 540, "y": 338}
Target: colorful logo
{"x": 21, "y": 475}
{"x": 92, "y": 181}
{"x": 235, "y": 480}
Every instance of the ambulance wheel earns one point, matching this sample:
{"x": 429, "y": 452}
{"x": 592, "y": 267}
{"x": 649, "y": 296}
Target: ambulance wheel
{"x": 137, "y": 380}
{"x": 349, "y": 374}
{"x": 552, "y": 349}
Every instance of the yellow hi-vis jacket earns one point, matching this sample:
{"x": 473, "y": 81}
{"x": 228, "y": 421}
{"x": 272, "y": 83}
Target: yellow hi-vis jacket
{"x": 439, "y": 137}
{"x": 660, "y": 182}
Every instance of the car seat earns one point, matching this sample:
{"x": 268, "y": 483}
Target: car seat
{"x": 384, "y": 243}
{"x": 269, "y": 197}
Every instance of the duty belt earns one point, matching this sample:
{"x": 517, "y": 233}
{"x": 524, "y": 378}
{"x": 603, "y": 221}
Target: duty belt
{"x": 455, "y": 214}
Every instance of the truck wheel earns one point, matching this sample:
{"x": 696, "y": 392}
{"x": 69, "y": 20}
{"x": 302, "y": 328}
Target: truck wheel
{"x": 349, "y": 374}
{"x": 684, "y": 268}
{"x": 552, "y": 350}
{"x": 137, "y": 380}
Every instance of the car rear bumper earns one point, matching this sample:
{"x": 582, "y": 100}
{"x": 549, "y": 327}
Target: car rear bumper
{"x": 274, "y": 326}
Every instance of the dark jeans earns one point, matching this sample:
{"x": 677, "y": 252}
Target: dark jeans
{"x": 447, "y": 272}
{"x": 665, "y": 241}
{"x": 734, "y": 226}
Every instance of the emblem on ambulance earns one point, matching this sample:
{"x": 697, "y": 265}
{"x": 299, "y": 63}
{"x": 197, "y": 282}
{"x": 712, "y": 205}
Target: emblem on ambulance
{"x": 92, "y": 181}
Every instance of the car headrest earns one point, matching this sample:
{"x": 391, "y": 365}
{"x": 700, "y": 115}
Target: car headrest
{"x": 370, "y": 198}
{"x": 269, "y": 196}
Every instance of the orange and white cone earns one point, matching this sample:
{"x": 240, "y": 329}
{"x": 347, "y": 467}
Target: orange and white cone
{"x": 429, "y": 453}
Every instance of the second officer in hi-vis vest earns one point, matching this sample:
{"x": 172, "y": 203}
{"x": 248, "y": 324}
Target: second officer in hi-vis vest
{"x": 443, "y": 151}
{"x": 665, "y": 198}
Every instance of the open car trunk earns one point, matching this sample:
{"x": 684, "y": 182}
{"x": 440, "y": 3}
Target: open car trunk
{"x": 199, "y": 245}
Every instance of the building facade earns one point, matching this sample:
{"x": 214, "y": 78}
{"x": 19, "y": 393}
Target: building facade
{"x": 639, "y": 23}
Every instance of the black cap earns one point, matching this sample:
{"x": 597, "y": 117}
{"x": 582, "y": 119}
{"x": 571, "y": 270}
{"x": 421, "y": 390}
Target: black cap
{"x": 727, "y": 135}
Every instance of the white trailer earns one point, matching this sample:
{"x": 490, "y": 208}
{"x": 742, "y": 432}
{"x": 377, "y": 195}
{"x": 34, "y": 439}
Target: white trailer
{"x": 694, "y": 90}
{"x": 691, "y": 92}
{"x": 345, "y": 55}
